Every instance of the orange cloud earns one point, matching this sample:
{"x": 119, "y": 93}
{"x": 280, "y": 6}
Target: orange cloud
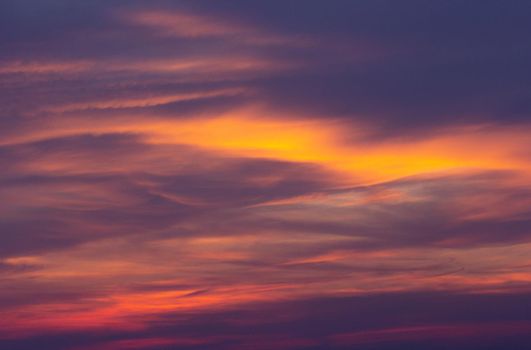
{"x": 188, "y": 25}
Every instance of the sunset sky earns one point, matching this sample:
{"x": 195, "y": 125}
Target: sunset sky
{"x": 265, "y": 175}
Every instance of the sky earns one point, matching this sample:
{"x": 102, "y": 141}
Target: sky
{"x": 256, "y": 175}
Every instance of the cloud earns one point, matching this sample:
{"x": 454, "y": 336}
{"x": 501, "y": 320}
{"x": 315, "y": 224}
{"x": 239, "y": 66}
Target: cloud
{"x": 71, "y": 190}
{"x": 326, "y": 323}
{"x": 446, "y": 211}
{"x": 248, "y": 175}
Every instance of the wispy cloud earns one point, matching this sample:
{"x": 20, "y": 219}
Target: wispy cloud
{"x": 259, "y": 175}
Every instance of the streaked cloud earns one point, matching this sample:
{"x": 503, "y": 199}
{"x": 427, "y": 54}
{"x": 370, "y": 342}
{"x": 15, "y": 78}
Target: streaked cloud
{"x": 243, "y": 175}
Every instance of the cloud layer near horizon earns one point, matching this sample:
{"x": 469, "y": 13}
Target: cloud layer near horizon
{"x": 264, "y": 175}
